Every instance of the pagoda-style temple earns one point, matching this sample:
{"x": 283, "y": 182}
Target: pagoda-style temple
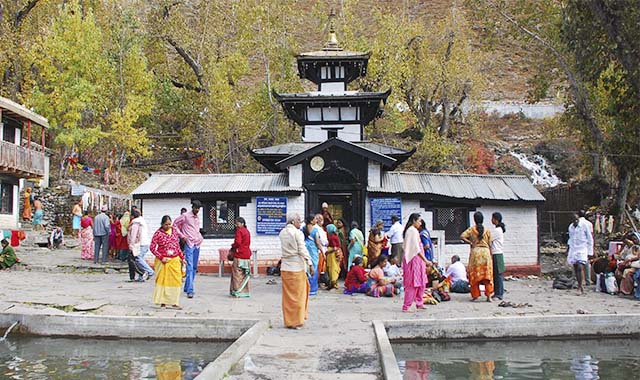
{"x": 334, "y": 158}
{"x": 335, "y": 163}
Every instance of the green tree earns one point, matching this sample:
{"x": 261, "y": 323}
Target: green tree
{"x": 70, "y": 87}
{"x": 604, "y": 39}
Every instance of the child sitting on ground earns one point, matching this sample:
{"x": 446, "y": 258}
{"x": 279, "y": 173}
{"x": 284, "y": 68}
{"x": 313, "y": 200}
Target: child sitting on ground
{"x": 392, "y": 270}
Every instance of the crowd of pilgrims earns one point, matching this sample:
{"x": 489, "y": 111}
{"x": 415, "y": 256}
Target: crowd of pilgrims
{"x": 388, "y": 263}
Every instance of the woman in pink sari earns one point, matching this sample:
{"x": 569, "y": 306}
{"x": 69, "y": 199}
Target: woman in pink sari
{"x": 413, "y": 264}
{"x": 86, "y": 237}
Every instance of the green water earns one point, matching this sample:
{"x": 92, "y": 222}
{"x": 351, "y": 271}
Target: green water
{"x": 31, "y": 358}
{"x": 543, "y": 359}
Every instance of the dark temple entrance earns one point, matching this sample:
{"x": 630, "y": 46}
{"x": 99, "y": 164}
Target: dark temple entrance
{"x": 342, "y": 204}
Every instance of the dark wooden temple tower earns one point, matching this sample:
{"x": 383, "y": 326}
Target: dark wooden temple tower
{"x": 333, "y": 159}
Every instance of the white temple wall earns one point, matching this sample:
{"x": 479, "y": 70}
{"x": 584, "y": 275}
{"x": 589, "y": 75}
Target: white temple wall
{"x": 316, "y": 133}
{"x": 268, "y": 246}
{"x": 520, "y": 240}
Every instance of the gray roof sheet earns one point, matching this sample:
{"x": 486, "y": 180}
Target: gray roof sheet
{"x": 215, "y": 183}
{"x": 23, "y": 111}
{"x": 461, "y": 186}
{"x": 295, "y": 148}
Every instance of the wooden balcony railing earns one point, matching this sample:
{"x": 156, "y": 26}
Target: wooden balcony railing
{"x": 22, "y": 161}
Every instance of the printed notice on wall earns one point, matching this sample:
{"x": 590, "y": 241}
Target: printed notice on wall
{"x": 383, "y": 208}
{"x": 271, "y": 215}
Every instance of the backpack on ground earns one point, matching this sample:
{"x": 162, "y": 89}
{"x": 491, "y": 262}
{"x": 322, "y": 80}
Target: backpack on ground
{"x": 564, "y": 283}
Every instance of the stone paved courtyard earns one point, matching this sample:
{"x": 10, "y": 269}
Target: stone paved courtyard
{"x": 336, "y": 343}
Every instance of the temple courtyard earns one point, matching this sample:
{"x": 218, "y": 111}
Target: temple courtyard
{"x": 338, "y": 341}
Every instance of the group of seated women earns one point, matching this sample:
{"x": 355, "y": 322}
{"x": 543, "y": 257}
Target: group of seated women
{"x": 375, "y": 283}
{"x": 385, "y": 280}
{"x": 628, "y": 262}
{"x": 624, "y": 265}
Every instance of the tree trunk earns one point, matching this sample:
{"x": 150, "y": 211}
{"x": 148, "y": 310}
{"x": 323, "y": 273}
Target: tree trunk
{"x": 624, "y": 183}
{"x": 445, "y": 125}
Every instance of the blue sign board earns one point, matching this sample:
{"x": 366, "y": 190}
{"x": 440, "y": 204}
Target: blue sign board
{"x": 383, "y": 208}
{"x": 271, "y": 215}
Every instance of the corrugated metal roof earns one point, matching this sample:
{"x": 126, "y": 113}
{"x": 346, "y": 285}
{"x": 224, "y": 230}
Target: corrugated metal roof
{"x": 23, "y": 111}
{"x": 295, "y": 148}
{"x": 215, "y": 183}
{"x": 460, "y": 186}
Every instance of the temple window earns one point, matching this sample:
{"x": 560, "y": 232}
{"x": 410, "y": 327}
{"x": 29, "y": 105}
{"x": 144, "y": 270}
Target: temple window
{"x": 219, "y": 218}
{"x": 453, "y": 221}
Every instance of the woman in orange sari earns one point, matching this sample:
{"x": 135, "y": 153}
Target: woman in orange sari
{"x": 374, "y": 244}
{"x": 480, "y": 261}
{"x": 26, "y": 209}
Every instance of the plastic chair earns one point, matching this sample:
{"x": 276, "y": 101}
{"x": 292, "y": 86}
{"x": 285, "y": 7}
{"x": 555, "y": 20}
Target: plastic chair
{"x": 223, "y": 252}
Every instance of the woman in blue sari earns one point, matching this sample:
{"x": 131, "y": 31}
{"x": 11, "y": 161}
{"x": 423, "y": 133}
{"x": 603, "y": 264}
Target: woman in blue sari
{"x": 356, "y": 242}
{"x": 427, "y": 244}
{"x": 312, "y": 242}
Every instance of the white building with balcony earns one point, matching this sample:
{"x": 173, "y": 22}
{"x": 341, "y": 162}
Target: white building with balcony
{"x": 21, "y": 156}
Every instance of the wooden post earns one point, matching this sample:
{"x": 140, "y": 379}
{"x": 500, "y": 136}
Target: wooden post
{"x": 44, "y": 132}
{"x": 28, "y": 134}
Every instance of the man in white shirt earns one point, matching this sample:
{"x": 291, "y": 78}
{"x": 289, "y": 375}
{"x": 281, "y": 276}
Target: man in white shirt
{"x": 395, "y": 238}
{"x": 295, "y": 264}
{"x": 580, "y": 246}
{"x": 457, "y": 274}
{"x": 591, "y": 254}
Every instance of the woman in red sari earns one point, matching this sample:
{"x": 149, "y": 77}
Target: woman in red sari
{"x": 165, "y": 246}
{"x": 241, "y": 268}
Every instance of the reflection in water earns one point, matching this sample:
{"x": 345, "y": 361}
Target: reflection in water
{"x": 70, "y": 359}
{"x": 416, "y": 370}
{"x": 168, "y": 370}
{"x": 482, "y": 370}
{"x": 573, "y": 359}
{"x": 584, "y": 368}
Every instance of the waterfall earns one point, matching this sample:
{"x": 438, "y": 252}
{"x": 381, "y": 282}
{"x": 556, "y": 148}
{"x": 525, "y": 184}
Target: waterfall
{"x": 541, "y": 173}
{"x": 6, "y": 333}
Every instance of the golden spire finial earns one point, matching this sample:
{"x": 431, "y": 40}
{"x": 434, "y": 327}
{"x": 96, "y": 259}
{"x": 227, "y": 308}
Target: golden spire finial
{"x": 332, "y": 43}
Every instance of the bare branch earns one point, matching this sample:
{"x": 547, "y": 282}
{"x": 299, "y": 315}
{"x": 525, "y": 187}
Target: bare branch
{"x": 22, "y": 13}
{"x": 186, "y": 86}
{"x": 188, "y": 58}
{"x": 167, "y": 8}
{"x": 578, "y": 91}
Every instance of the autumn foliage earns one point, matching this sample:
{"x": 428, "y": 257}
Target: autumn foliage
{"x": 479, "y": 159}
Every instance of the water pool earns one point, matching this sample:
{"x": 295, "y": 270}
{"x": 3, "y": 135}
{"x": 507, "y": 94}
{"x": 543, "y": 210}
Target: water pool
{"x": 515, "y": 360}
{"x": 36, "y": 358}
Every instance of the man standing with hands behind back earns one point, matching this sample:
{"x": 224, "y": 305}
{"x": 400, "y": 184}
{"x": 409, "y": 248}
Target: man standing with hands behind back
{"x": 187, "y": 227}
{"x": 395, "y": 238}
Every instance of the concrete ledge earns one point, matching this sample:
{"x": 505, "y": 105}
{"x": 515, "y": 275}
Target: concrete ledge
{"x": 97, "y": 326}
{"x": 528, "y": 327}
{"x": 388, "y": 361}
{"x": 219, "y": 368}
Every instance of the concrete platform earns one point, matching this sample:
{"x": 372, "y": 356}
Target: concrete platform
{"x": 338, "y": 341}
